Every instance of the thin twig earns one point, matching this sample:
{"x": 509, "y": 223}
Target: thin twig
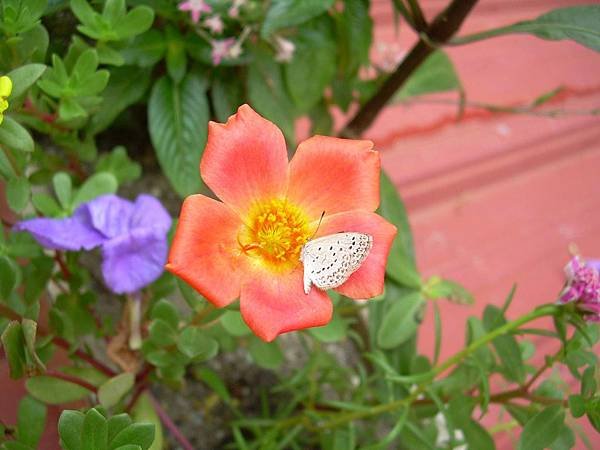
{"x": 170, "y": 425}
{"x": 443, "y": 27}
{"x": 71, "y": 379}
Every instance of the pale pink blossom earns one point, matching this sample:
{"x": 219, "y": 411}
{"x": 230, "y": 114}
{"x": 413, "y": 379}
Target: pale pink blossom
{"x": 195, "y": 8}
{"x": 214, "y": 24}
{"x": 234, "y": 11}
{"x": 285, "y": 49}
{"x": 583, "y": 287}
{"x": 221, "y": 48}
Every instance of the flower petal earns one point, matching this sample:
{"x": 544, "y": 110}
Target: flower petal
{"x": 133, "y": 260}
{"x": 149, "y": 212}
{"x": 334, "y": 175}
{"x": 367, "y": 281}
{"x": 275, "y": 304}
{"x": 245, "y": 159}
{"x": 72, "y": 233}
{"x": 205, "y": 252}
{"x": 109, "y": 214}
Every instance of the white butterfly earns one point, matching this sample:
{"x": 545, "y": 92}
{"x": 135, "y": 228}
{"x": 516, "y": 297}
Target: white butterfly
{"x": 330, "y": 260}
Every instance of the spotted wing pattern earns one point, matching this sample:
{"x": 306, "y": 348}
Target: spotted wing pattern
{"x": 330, "y": 260}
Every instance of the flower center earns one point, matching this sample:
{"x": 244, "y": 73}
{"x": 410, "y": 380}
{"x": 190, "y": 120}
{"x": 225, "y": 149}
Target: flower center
{"x": 275, "y": 232}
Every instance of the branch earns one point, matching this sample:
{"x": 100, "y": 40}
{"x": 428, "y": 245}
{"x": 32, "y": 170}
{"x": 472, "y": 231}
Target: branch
{"x": 443, "y": 27}
{"x": 71, "y": 379}
{"x": 170, "y": 425}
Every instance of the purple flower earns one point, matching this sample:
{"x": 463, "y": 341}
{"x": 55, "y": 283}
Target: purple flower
{"x": 583, "y": 287}
{"x": 132, "y": 235}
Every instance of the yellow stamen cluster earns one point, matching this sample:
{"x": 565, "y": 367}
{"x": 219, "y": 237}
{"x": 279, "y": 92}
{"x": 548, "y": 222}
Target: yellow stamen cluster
{"x": 274, "y": 233}
{"x": 5, "y": 90}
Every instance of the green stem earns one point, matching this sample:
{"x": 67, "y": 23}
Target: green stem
{"x": 546, "y": 310}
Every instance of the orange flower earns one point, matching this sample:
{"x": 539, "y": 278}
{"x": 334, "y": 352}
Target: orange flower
{"x": 248, "y": 245}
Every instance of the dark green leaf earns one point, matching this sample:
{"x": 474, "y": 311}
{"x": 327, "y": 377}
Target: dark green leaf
{"x": 286, "y": 13}
{"x": 234, "y": 324}
{"x": 125, "y": 87}
{"x": 146, "y": 49}
{"x": 542, "y": 429}
{"x": 310, "y": 72}
{"x": 401, "y": 265}
{"x": 354, "y": 29}
{"x": 165, "y": 310}
{"x": 401, "y": 320}
{"x": 336, "y": 330}
{"x": 214, "y": 382}
{"x": 9, "y": 275}
{"x": 577, "y": 405}
{"x": 477, "y": 437}
{"x": 565, "y": 439}
{"x": 176, "y": 57}
{"x": 143, "y": 411}
{"x": 268, "y": 95}
{"x": 178, "y": 118}
{"x": 18, "y": 191}
{"x": 227, "y": 96}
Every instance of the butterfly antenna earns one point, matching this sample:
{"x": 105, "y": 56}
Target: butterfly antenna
{"x": 318, "y": 225}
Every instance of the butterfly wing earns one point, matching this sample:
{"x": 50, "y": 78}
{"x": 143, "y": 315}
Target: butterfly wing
{"x": 330, "y": 260}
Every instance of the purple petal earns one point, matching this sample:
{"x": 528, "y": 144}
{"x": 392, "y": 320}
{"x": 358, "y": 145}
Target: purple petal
{"x": 149, "y": 212}
{"x": 593, "y": 263}
{"x": 109, "y": 214}
{"x": 569, "y": 294}
{"x": 134, "y": 260}
{"x": 73, "y": 233}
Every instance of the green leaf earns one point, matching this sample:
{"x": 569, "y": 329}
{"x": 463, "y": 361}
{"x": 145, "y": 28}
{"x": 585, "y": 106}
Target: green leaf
{"x": 506, "y": 345}
{"x": 588, "y": 382}
{"x": 31, "y": 421}
{"x": 336, "y": 330}
{"x": 14, "y": 136}
{"x": 176, "y": 57}
{"x": 354, "y": 30}
{"x": 120, "y": 165}
{"x": 477, "y": 437}
{"x": 268, "y": 95}
{"x": 161, "y": 333}
{"x": 401, "y": 266}
{"x": 213, "y": 381}
{"x": 178, "y": 119}
{"x": 17, "y": 193}
{"x": 542, "y": 429}
{"x": 165, "y": 310}
{"x": 63, "y": 188}
{"x": 54, "y": 391}
{"x": 234, "y": 324}
{"x": 14, "y": 348}
{"x": 565, "y": 439}
{"x": 9, "y": 272}
{"x": 98, "y": 184}
{"x": 146, "y": 49}
{"x": 115, "y": 389}
{"x": 226, "y": 95}
{"x": 23, "y": 77}
{"x": 578, "y": 23}
{"x": 401, "y": 320}
{"x": 286, "y": 13}
{"x": 194, "y": 343}
{"x": 70, "y": 425}
{"x": 310, "y": 72}
{"x": 143, "y": 411}
{"x": 141, "y": 434}
{"x": 126, "y": 86}
{"x": 436, "y": 74}
{"x": 437, "y": 288}
{"x": 46, "y": 205}
{"x": 35, "y": 364}
{"x": 577, "y": 405}
{"x": 136, "y": 21}
{"x": 265, "y": 354}
{"x": 94, "y": 435}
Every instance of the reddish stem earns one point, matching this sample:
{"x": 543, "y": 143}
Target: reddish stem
{"x": 170, "y": 425}
{"x": 71, "y": 379}
{"x": 60, "y": 342}
{"x": 58, "y": 257}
